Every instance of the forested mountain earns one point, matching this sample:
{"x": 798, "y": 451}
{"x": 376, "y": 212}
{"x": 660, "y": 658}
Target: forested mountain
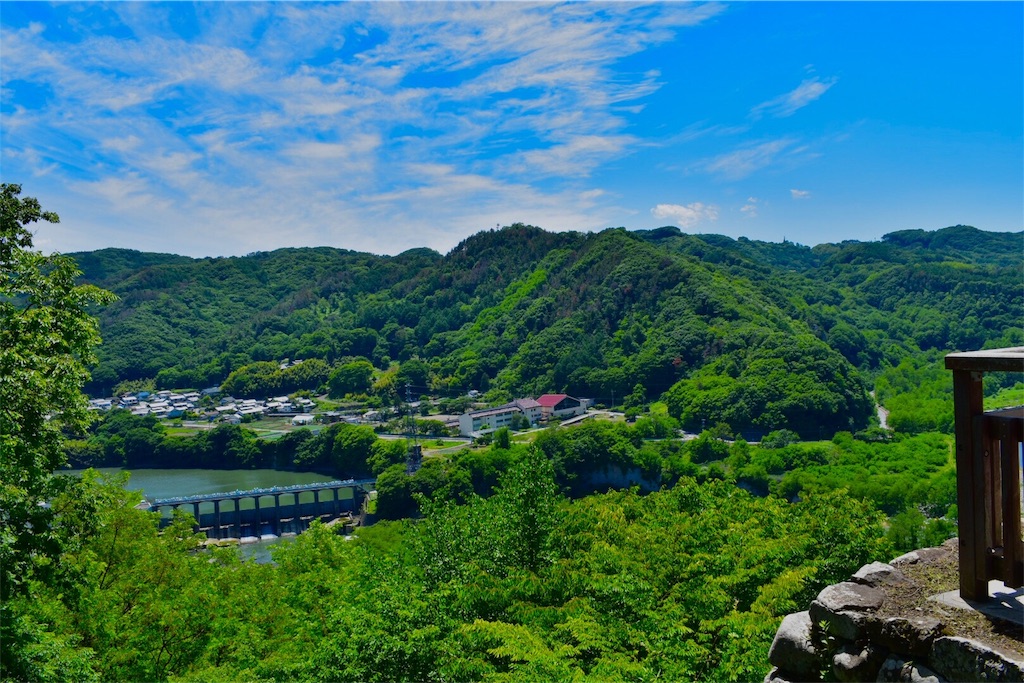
{"x": 518, "y": 566}
{"x": 759, "y": 335}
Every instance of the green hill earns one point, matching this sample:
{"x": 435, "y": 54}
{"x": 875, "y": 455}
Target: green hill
{"x": 760, "y": 335}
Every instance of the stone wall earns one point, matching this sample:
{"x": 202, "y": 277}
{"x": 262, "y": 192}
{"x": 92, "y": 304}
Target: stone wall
{"x": 847, "y": 634}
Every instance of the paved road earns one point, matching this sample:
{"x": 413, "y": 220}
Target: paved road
{"x": 883, "y": 414}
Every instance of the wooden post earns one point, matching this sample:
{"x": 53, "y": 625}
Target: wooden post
{"x": 1011, "y": 435}
{"x": 970, "y": 484}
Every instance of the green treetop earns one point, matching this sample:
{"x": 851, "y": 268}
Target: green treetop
{"x": 46, "y": 342}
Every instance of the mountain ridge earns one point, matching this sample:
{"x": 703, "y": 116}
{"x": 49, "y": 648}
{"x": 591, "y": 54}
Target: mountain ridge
{"x": 521, "y": 310}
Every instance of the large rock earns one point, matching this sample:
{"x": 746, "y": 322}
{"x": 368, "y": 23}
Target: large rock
{"x": 896, "y": 669}
{"x": 792, "y": 651}
{"x": 920, "y": 555}
{"x": 853, "y": 662}
{"x": 910, "y": 636}
{"x": 847, "y": 596}
{"x": 961, "y": 659}
{"x": 847, "y": 625}
{"x": 879, "y": 574}
{"x": 846, "y": 609}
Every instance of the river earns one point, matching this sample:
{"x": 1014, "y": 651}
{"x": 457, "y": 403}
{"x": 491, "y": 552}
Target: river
{"x": 157, "y": 483}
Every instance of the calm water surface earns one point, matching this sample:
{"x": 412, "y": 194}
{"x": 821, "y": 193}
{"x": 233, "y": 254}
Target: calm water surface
{"x": 172, "y": 483}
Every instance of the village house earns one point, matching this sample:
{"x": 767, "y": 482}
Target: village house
{"x": 560, "y": 406}
{"x": 169, "y": 404}
{"x": 530, "y": 408}
{"x": 100, "y": 403}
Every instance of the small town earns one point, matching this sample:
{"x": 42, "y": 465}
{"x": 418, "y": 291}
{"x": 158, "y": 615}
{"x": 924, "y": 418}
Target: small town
{"x": 210, "y": 406}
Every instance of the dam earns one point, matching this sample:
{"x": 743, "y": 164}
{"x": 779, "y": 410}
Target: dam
{"x": 274, "y": 510}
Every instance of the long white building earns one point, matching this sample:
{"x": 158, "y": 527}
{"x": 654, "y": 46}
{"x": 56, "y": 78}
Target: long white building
{"x": 478, "y": 422}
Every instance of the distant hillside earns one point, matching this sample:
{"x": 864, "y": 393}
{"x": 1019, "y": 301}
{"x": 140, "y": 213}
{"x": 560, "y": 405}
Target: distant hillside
{"x": 766, "y": 334}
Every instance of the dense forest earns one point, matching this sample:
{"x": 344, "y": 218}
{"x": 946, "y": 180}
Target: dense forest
{"x": 683, "y": 584}
{"x": 609, "y": 551}
{"x": 758, "y": 335}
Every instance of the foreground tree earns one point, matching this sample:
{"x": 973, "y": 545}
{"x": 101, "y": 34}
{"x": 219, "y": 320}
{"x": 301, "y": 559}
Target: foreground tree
{"x": 47, "y": 339}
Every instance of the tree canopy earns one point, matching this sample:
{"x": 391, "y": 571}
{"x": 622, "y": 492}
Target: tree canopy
{"x": 47, "y": 342}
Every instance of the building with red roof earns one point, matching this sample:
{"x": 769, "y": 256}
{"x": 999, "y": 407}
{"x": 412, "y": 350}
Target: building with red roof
{"x": 560, "y": 406}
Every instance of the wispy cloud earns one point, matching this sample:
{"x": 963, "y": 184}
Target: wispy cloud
{"x": 750, "y": 208}
{"x": 800, "y": 194}
{"x": 742, "y": 162}
{"x": 287, "y": 122}
{"x": 686, "y": 216}
{"x": 789, "y": 103}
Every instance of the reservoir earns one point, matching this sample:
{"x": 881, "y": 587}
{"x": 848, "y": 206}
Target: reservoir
{"x": 173, "y": 483}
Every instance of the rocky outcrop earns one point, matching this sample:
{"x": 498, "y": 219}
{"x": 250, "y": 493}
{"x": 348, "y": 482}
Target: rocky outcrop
{"x": 846, "y": 636}
{"x": 794, "y": 646}
{"x": 960, "y": 659}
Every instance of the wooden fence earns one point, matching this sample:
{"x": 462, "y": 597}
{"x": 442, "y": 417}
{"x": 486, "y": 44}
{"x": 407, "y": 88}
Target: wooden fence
{"x": 988, "y": 474}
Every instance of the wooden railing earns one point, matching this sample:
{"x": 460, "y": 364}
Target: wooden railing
{"x": 988, "y": 475}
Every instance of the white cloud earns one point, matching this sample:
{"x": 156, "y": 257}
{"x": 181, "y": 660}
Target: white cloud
{"x": 686, "y": 216}
{"x": 384, "y": 118}
{"x": 750, "y": 208}
{"x": 358, "y": 145}
{"x": 742, "y": 162}
{"x": 576, "y": 156}
{"x": 800, "y": 194}
{"x": 788, "y": 104}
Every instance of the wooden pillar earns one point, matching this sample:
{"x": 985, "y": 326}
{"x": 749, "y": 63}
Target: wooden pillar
{"x": 970, "y": 483}
{"x": 1009, "y": 435}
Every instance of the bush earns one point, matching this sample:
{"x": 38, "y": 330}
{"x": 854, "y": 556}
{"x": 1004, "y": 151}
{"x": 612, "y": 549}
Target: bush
{"x": 779, "y": 439}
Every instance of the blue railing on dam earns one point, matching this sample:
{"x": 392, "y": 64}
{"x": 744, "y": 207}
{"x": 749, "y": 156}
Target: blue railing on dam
{"x": 250, "y": 493}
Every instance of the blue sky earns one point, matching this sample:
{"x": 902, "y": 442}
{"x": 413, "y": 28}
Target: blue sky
{"x": 224, "y": 128}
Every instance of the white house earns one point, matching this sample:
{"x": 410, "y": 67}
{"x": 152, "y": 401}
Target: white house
{"x": 303, "y": 419}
